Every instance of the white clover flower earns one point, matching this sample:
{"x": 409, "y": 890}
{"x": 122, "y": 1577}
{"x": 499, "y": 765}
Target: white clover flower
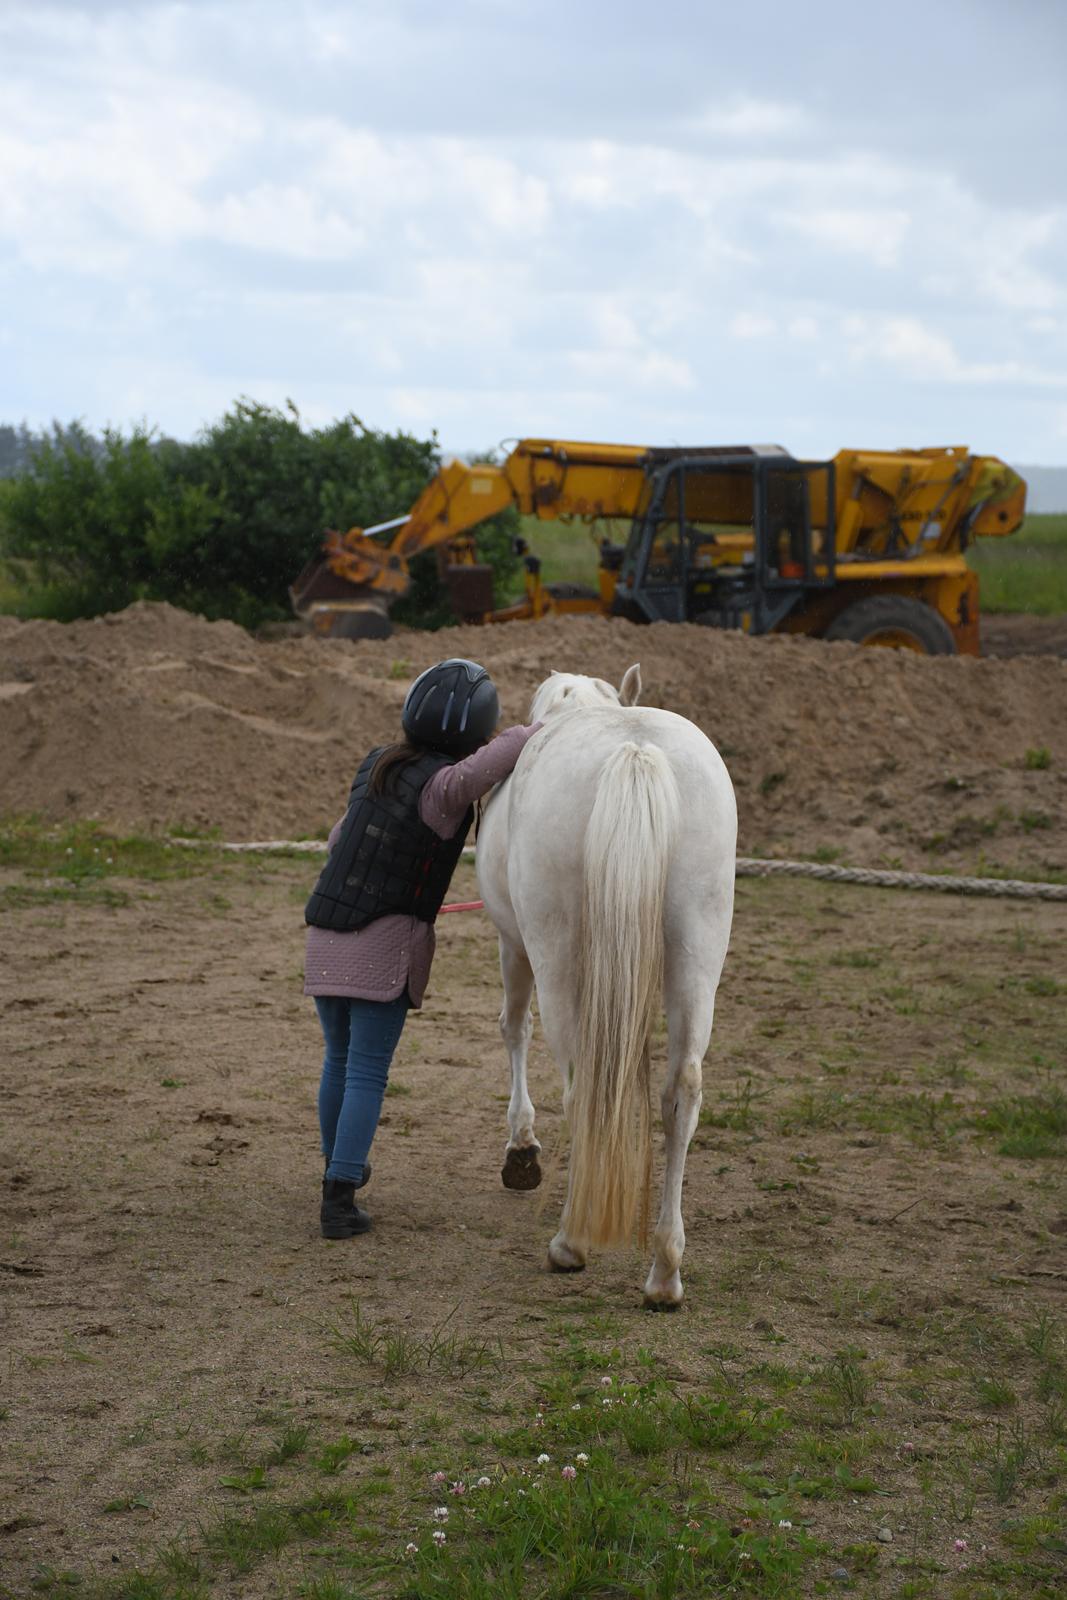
{"x": 785, "y": 1524}
{"x": 411, "y": 1549}
{"x": 438, "y": 1477}
{"x": 485, "y": 1483}
{"x": 581, "y": 1458}
{"x": 543, "y": 1460}
{"x": 568, "y": 1472}
{"x": 439, "y": 1538}
{"x": 577, "y": 1406}
{"x": 605, "y": 1383}
{"x": 440, "y": 1513}
{"x": 458, "y": 1488}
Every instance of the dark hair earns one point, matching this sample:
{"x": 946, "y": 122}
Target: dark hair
{"x": 391, "y": 759}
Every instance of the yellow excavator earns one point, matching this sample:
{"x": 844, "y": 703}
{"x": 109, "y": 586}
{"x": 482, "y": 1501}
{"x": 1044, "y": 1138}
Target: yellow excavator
{"x": 867, "y": 547}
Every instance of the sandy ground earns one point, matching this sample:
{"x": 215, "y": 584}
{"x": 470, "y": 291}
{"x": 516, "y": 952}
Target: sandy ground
{"x": 165, "y": 1295}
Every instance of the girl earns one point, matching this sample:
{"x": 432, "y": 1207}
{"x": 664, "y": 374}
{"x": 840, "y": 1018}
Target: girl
{"x": 370, "y": 937}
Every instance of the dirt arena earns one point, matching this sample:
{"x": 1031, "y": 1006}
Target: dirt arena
{"x": 875, "y": 1207}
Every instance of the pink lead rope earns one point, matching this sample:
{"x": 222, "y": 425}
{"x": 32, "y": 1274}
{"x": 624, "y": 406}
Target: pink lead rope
{"x": 465, "y": 905}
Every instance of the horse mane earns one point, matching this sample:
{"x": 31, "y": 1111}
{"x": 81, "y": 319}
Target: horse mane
{"x": 569, "y": 690}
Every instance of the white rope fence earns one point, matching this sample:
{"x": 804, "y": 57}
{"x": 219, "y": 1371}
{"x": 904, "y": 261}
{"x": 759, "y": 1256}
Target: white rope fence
{"x": 752, "y": 867}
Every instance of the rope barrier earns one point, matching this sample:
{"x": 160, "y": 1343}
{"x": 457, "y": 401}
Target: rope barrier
{"x": 747, "y": 867}
{"x": 875, "y": 878}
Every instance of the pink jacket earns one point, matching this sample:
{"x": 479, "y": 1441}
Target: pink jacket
{"x": 379, "y": 961}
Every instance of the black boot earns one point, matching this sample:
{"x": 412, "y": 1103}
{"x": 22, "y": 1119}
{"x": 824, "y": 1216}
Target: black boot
{"x": 340, "y": 1217}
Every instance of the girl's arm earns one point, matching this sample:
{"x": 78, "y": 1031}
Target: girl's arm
{"x": 445, "y": 800}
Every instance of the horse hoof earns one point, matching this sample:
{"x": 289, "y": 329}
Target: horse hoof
{"x": 561, "y": 1258}
{"x": 662, "y": 1305}
{"x": 565, "y": 1266}
{"x": 521, "y": 1169}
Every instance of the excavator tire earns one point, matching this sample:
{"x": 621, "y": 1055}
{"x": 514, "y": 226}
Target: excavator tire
{"x": 895, "y": 622}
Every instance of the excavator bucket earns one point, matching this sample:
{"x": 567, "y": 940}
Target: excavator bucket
{"x": 336, "y": 609}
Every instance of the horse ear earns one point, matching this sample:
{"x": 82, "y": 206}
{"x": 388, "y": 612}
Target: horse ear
{"x": 630, "y": 687}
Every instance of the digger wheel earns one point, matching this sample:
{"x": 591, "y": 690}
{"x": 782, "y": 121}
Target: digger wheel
{"x": 894, "y": 622}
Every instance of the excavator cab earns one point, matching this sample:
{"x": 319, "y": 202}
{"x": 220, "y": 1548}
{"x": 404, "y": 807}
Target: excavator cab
{"x": 731, "y": 538}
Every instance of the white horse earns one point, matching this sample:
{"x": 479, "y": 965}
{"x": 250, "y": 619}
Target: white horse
{"x": 606, "y": 862}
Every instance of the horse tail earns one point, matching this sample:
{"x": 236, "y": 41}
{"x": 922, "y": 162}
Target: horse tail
{"x": 628, "y": 847}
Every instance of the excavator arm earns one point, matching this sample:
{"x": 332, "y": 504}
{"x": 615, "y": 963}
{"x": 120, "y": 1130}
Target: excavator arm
{"x": 347, "y": 587}
{"x": 453, "y": 502}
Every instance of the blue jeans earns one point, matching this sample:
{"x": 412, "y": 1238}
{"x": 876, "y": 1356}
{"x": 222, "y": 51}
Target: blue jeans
{"x": 361, "y": 1036}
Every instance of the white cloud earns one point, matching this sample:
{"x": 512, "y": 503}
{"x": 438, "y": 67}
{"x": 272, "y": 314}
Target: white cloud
{"x": 929, "y": 356}
{"x": 803, "y": 328}
{"x": 879, "y": 234}
{"x": 746, "y": 118}
{"x": 751, "y": 325}
{"x": 284, "y": 219}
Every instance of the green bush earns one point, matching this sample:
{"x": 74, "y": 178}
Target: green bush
{"x": 222, "y": 525}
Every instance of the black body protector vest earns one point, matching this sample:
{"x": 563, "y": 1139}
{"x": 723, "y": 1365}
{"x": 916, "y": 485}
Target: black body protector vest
{"x": 386, "y": 860}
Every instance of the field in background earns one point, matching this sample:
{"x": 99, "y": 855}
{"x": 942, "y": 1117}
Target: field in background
{"x": 865, "y": 1392}
{"x": 568, "y": 551}
{"x": 1024, "y": 573}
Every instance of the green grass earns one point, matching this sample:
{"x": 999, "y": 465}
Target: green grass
{"x": 397, "y": 1353}
{"x": 1026, "y": 571}
{"x": 83, "y": 853}
{"x": 73, "y": 861}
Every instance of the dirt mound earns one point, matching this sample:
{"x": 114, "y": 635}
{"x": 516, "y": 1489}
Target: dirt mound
{"x": 154, "y": 717}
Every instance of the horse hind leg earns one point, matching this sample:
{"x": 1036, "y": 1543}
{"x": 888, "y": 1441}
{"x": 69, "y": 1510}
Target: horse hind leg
{"x": 522, "y": 1165}
{"x": 689, "y": 1031}
{"x": 555, "y": 996}
{"x": 565, "y": 1254}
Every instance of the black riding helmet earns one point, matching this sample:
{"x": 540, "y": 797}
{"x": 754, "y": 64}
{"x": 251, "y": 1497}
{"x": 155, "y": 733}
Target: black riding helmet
{"x": 452, "y": 707}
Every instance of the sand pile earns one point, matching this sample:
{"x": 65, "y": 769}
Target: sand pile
{"x": 154, "y": 717}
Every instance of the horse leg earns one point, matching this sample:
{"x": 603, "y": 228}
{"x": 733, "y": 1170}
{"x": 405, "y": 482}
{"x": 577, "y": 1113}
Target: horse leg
{"x": 522, "y": 1168}
{"x": 564, "y": 1254}
{"x": 556, "y": 1002}
{"x": 690, "y": 1009}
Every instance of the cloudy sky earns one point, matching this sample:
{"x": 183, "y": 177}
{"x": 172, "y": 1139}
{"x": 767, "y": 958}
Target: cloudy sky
{"x": 694, "y": 222}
